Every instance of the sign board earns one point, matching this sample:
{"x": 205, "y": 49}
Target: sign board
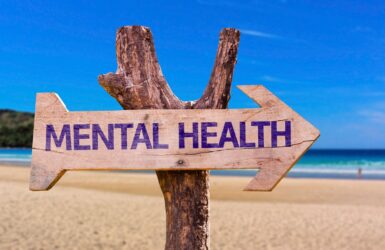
{"x": 270, "y": 138}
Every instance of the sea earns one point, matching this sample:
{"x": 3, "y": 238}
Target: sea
{"x": 316, "y": 163}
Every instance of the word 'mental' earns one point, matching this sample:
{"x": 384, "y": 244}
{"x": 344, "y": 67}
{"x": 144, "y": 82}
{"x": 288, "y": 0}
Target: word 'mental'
{"x": 126, "y": 136}
{"x": 82, "y": 132}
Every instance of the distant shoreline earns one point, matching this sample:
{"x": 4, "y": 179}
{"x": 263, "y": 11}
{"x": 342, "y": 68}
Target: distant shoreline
{"x": 247, "y": 173}
{"x": 352, "y": 164}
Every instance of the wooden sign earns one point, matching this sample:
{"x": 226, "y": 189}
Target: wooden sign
{"x": 271, "y": 138}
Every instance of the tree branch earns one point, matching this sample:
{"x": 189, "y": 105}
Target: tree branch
{"x": 139, "y": 84}
{"x": 217, "y": 93}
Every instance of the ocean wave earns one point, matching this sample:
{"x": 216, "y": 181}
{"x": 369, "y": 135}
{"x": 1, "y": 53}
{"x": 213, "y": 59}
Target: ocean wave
{"x": 15, "y": 156}
{"x": 336, "y": 171}
{"x": 15, "y": 159}
{"x": 344, "y": 165}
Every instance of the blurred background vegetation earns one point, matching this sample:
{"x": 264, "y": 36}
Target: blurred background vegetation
{"x": 16, "y": 128}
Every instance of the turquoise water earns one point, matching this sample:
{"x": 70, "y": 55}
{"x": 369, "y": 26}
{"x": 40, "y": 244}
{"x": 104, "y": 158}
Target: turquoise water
{"x": 16, "y": 156}
{"x": 334, "y": 163}
{"x": 325, "y": 163}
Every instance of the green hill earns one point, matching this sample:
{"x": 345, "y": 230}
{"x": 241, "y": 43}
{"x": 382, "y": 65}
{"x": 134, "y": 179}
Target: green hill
{"x": 16, "y": 128}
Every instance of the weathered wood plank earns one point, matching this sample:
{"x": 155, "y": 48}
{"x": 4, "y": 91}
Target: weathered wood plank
{"x": 237, "y": 144}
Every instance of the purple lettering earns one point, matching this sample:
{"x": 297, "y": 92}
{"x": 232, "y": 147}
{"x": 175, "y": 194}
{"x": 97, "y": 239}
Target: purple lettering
{"x": 108, "y": 142}
{"x": 228, "y": 127}
{"x": 65, "y": 133}
{"x": 155, "y": 136}
{"x": 243, "y": 142}
{"x": 206, "y": 134}
{"x": 183, "y": 135}
{"x": 78, "y": 136}
{"x": 123, "y": 127}
{"x": 275, "y": 133}
{"x": 141, "y": 129}
{"x": 261, "y": 134}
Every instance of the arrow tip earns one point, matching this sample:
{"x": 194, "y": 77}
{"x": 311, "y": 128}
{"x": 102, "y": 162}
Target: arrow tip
{"x": 260, "y": 95}
{"x": 49, "y": 103}
{"x": 42, "y": 178}
{"x": 265, "y": 180}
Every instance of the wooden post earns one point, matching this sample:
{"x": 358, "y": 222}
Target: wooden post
{"x": 139, "y": 84}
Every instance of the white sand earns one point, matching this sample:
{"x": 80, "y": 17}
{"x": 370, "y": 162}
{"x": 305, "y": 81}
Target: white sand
{"x": 300, "y": 214}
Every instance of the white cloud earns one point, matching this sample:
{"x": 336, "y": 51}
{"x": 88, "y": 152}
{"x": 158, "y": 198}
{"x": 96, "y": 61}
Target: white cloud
{"x": 268, "y": 78}
{"x": 258, "y": 33}
{"x": 376, "y": 116}
{"x": 360, "y": 28}
{"x": 218, "y": 3}
{"x": 274, "y": 79}
{"x": 245, "y": 5}
{"x": 372, "y": 93}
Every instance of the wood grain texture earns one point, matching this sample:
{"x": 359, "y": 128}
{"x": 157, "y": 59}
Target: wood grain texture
{"x": 272, "y": 161}
{"x": 140, "y": 84}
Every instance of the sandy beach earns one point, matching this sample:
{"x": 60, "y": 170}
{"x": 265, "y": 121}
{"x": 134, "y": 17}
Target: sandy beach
{"x": 109, "y": 210}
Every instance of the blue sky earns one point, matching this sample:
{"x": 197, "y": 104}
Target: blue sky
{"x": 326, "y": 59}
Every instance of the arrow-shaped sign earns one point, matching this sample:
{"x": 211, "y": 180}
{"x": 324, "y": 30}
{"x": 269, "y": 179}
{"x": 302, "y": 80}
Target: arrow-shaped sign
{"x": 271, "y": 138}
